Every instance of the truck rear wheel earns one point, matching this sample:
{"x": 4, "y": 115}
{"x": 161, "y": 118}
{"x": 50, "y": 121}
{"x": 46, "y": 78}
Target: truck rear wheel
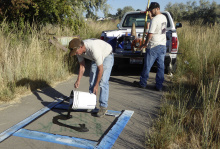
{"x": 171, "y": 68}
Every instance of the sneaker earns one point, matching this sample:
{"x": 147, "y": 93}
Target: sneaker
{"x": 137, "y": 84}
{"x": 101, "y": 112}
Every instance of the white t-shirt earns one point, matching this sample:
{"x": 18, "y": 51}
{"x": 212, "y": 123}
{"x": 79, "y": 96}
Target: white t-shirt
{"x": 96, "y": 50}
{"x": 158, "y": 29}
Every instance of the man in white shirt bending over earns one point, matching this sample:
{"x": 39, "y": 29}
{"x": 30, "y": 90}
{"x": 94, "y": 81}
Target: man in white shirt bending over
{"x": 100, "y": 53}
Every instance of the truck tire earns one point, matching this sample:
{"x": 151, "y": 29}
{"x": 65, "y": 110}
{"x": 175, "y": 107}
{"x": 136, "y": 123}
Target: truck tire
{"x": 174, "y": 67}
{"x": 171, "y": 68}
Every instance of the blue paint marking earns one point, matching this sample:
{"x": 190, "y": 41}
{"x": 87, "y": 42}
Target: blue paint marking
{"x": 110, "y": 138}
{"x": 7, "y": 133}
{"x": 65, "y": 140}
{"x": 106, "y": 143}
{"x": 113, "y": 113}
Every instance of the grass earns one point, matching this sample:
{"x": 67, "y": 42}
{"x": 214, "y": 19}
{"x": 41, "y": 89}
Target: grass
{"x": 190, "y": 114}
{"x": 29, "y": 62}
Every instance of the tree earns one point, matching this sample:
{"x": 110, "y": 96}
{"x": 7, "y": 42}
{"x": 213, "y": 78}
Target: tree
{"x": 63, "y": 12}
{"x": 212, "y": 15}
{"x": 92, "y": 6}
{"x": 121, "y": 12}
{"x": 14, "y": 9}
{"x": 40, "y": 11}
{"x": 177, "y": 10}
{"x": 206, "y": 12}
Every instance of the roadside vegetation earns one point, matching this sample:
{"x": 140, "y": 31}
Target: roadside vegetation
{"x": 29, "y": 62}
{"x": 190, "y": 113}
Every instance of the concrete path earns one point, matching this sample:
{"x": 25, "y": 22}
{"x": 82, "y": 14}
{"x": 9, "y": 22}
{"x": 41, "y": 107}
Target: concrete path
{"x": 123, "y": 96}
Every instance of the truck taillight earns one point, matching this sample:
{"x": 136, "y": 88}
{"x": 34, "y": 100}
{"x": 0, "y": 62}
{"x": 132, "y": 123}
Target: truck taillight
{"x": 174, "y": 44}
{"x": 102, "y": 37}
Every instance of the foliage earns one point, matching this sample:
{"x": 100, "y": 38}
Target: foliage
{"x": 206, "y": 12}
{"x": 189, "y": 117}
{"x": 92, "y": 6}
{"x": 62, "y": 12}
{"x": 29, "y": 62}
{"x": 120, "y": 12}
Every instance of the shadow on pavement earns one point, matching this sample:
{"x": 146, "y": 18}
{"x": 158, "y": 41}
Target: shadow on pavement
{"x": 81, "y": 128}
{"x": 124, "y": 82}
{"x": 43, "y": 87}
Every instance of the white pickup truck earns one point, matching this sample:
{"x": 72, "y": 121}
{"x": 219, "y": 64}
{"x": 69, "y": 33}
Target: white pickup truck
{"x": 121, "y": 40}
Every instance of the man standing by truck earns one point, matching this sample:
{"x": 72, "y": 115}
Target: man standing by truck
{"x": 156, "y": 47}
{"x": 100, "y": 53}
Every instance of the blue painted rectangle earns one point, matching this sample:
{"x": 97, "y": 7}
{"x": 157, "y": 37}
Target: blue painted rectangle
{"x": 26, "y": 121}
{"x": 113, "y": 113}
{"x": 106, "y": 143}
{"x": 110, "y": 138}
{"x": 54, "y": 138}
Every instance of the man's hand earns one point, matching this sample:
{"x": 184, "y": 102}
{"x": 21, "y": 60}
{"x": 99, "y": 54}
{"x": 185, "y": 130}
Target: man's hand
{"x": 142, "y": 46}
{"x": 95, "y": 89}
{"x": 150, "y": 15}
{"x": 148, "y": 38}
{"x": 81, "y": 72}
{"x": 76, "y": 85}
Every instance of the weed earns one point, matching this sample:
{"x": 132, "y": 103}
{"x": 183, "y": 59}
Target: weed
{"x": 189, "y": 117}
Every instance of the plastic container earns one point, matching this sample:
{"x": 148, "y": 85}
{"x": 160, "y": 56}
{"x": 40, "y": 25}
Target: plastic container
{"x": 82, "y": 100}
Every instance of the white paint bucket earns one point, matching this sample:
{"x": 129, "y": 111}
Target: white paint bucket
{"x": 82, "y": 100}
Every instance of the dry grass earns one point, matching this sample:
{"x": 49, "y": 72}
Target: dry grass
{"x": 96, "y": 28}
{"x": 29, "y": 62}
{"x": 190, "y": 116}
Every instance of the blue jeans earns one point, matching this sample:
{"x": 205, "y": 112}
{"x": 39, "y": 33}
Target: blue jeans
{"x": 154, "y": 54}
{"x": 104, "y": 84}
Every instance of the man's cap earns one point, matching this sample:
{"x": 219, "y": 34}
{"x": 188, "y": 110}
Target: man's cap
{"x": 74, "y": 44}
{"x": 153, "y": 5}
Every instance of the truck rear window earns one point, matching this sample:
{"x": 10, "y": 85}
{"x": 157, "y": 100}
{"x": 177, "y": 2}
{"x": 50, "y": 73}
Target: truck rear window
{"x": 138, "y": 19}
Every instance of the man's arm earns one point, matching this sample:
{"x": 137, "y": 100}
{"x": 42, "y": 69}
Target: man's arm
{"x": 148, "y": 38}
{"x": 81, "y": 72}
{"x": 100, "y": 69}
{"x": 149, "y": 35}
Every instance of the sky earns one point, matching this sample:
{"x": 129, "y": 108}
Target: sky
{"x": 142, "y": 4}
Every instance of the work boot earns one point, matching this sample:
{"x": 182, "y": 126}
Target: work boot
{"x": 101, "y": 112}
